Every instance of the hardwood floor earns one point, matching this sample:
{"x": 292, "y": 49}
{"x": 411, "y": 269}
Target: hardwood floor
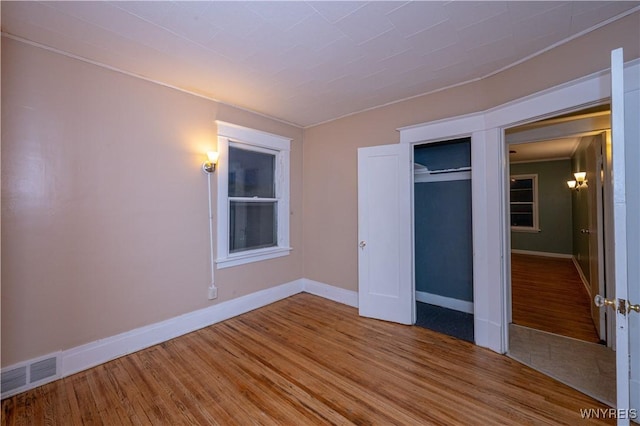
{"x": 548, "y": 295}
{"x": 305, "y": 360}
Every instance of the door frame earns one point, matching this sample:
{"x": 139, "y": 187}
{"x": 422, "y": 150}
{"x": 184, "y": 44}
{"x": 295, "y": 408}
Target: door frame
{"x": 489, "y": 174}
{"x": 604, "y": 191}
{"x": 462, "y": 127}
{"x": 606, "y": 232}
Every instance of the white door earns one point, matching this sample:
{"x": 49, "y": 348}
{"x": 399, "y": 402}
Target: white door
{"x": 632, "y": 136}
{"x": 385, "y": 283}
{"x": 624, "y": 129}
{"x": 626, "y": 98}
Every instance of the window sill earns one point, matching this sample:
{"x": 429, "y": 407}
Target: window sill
{"x": 252, "y": 256}
{"x": 529, "y": 230}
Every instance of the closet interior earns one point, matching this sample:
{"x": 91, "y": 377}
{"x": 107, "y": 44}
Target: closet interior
{"x": 443, "y": 249}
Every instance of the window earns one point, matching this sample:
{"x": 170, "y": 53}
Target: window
{"x": 253, "y": 195}
{"x": 524, "y": 203}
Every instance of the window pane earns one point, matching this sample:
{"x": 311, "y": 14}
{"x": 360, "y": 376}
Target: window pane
{"x": 522, "y": 219}
{"x": 523, "y": 195}
{"x": 251, "y": 173}
{"x": 522, "y": 183}
{"x": 252, "y": 225}
{"x": 522, "y": 204}
{"x": 522, "y": 208}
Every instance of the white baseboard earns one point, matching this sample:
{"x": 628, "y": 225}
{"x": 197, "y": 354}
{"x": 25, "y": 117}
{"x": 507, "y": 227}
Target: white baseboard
{"x": 542, "y": 253}
{"x": 445, "y": 302}
{"x": 337, "y": 294}
{"x": 583, "y": 278}
{"x": 495, "y": 340}
{"x": 89, "y": 355}
{"x": 95, "y": 353}
{"x": 488, "y": 334}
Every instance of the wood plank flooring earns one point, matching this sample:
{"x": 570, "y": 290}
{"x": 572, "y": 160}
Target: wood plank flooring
{"x": 548, "y": 295}
{"x": 305, "y": 360}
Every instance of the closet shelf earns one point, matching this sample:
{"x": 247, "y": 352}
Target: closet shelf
{"x": 434, "y": 172}
{"x": 426, "y": 175}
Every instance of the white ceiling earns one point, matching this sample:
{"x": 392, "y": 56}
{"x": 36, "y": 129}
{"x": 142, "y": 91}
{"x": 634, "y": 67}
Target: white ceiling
{"x": 556, "y": 138}
{"x": 306, "y": 62}
{"x": 553, "y": 149}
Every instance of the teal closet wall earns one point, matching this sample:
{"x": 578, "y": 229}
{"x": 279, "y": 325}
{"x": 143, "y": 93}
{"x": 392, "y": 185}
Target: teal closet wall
{"x": 443, "y": 235}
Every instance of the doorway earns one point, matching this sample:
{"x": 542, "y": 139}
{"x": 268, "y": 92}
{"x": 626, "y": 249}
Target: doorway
{"x": 384, "y": 186}
{"x": 443, "y": 245}
{"x": 557, "y": 170}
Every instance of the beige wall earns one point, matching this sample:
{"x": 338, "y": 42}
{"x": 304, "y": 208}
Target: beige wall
{"x": 104, "y": 206}
{"x": 330, "y": 154}
{"x": 580, "y": 57}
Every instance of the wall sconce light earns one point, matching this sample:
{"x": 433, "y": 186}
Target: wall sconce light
{"x": 579, "y": 182}
{"x": 209, "y": 166}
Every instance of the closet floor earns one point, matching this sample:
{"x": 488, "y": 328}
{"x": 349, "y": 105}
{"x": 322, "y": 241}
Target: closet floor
{"x": 446, "y": 321}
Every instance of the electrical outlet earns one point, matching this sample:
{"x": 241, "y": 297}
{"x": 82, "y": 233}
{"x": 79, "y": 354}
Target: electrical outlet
{"x": 213, "y": 292}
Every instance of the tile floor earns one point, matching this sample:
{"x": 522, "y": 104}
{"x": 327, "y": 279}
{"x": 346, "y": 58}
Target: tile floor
{"x": 587, "y": 367}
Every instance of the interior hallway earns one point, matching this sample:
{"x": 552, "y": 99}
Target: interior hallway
{"x": 552, "y": 329}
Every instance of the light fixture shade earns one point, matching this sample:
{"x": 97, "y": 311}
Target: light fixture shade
{"x": 209, "y": 166}
{"x": 580, "y": 176}
{"x": 571, "y": 183}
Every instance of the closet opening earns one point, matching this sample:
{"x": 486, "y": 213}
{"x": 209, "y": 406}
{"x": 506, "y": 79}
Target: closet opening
{"x": 443, "y": 245}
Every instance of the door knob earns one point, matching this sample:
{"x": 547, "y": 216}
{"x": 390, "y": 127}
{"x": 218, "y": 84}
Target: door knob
{"x": 362, "y": 244}
{"x": 622, "y": 306}
{"x": 600, "y": 301}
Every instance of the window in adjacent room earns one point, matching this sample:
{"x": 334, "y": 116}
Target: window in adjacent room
{"x": 524, "y": 203}
{"x": 253, "y": 195}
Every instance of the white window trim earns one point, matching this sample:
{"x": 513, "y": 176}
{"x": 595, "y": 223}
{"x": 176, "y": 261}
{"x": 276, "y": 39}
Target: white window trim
{"x": 253, "y": 139}
{"x": 536, "y": 215}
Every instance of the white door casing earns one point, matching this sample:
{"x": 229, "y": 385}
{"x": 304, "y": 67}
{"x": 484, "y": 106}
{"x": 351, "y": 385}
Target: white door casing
{"x": 385, "y": 275}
